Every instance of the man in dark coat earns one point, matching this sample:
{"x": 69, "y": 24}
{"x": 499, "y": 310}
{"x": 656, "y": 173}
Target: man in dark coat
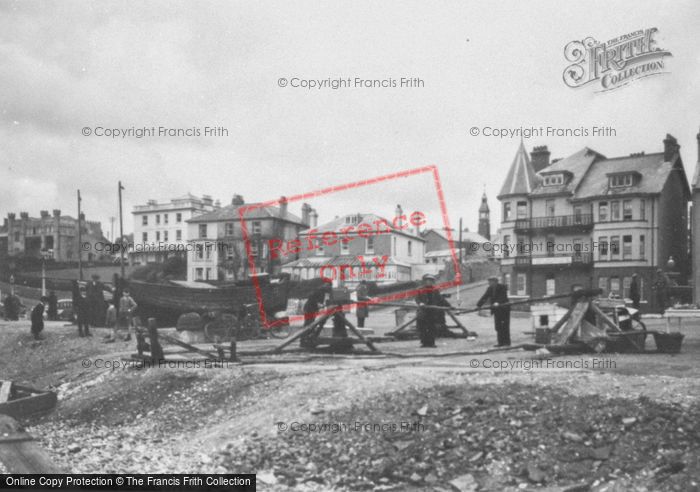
{"x": 80, "y": 311}
{"x": 95, "y": 297}
{"x": 11, "y": 308}
{"x": 52, "y": 310}
{"x": 497, "y": 294}
{"x": 311, "y": 308}
{"x": 38, "y": 318}
{"x": 427, "y": 318}
{"x": 362, "y": 311}
{"x": 661, "y": 290}
{"x": 635, "y": 295}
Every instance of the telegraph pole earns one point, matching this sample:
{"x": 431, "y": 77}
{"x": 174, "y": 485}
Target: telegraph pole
{"x": 459, "y": 287}
{"x": 80, "y": 241}
{"x": 121, "y": 231}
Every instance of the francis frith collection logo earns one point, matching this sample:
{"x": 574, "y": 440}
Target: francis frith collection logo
{"x": 614, "y": 63}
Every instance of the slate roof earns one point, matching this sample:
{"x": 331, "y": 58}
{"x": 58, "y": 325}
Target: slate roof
{"x": 521, "y": 178}
{"x": 467, "y": 236}
{"x": 653, "y": 169}
{"x": 577, "y": 164}
{"x": 231, "y": 213}
{"x": 337, "y": 224}
{"x": 349, "y": 260}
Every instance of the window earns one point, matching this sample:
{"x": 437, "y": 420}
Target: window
{"x": 615, "y": 247}
{"x": 550, "y": 208}
{"x": 615, "y": 285}
{"x": 319, "y": 248}
{"x": 178, "y": 235}
{"x": 554, "y": 180}
{"x": 642, "y": 209}
{"x": 165, "y": 235}
{"x": 642, "y": 246}
{"x": 344, "y": 246}
{"x": 257, "y": 228}
{"x": 144, "y": 237}
{"x": 178, "y": 217}
{"x": 144, "y": 220}
{"x": 199, "y": 273}
{"x": 506, "y": 211}
{"x": 506, "y": 281}
{"x": 603, "y": 211}
{"x": 203, "y": 231}
{"x": 626, "y": 247}
{"x": 578, "y": 247}
{"x": 627, "y": 210}
{"x": 207, "y": 251}
{"x": 506, "y": 249}
{"x": 157, "y": 235}
{"x": 157, "y": 218}
{"x": 621, "y": 180}
{"x": 603, "y": 248}
{"x": 16, "y": 237}
{"x": 228, "y": 227}
{"x": 199, "y": 252}
{"x": 603, "y": 284}
{"x": 615, "y": 210}
{"x": 521, "y": 278}
{"x": 208, "y": 274}
{"x": 410, "y": 248}
{"x": 551, "y": 245}
{"x": 370, "y": 244}
{"x": 521, "y": 210}
{"x": 550, "y": 286}
{"x": 165, "y": 218}
{"x": 578, "y": 212}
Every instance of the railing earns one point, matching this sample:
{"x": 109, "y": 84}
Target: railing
{"x": 555, "y": 222}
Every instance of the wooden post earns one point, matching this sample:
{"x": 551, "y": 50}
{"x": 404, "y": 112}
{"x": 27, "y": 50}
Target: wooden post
{"x": 156, "y": 349}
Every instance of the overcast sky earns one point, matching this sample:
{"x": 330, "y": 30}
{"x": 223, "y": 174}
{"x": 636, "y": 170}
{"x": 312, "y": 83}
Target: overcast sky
{"x": 69, "y": 65}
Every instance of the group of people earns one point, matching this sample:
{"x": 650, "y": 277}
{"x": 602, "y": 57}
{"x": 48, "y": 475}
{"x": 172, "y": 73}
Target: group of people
{"x": 91, "y": 310}
{"x": 431, "y": 312}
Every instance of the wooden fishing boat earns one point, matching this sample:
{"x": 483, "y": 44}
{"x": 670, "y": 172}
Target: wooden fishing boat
{"x": 18, "y": 401}
{"x": 184, "y": 297}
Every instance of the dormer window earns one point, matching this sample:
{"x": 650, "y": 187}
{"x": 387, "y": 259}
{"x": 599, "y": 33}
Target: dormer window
{"x": 554, "y": 180}
{"x": 621, "y": 180}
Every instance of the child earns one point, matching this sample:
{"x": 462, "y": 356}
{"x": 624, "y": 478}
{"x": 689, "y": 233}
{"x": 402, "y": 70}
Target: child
{"x": 38, "y": 318}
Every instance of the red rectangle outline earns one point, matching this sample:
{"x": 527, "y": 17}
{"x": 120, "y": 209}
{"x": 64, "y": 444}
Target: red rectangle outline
{"x": 357, "y": 184}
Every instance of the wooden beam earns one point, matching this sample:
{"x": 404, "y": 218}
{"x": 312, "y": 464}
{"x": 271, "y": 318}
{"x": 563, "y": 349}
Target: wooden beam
{"x": 5, "y": 391}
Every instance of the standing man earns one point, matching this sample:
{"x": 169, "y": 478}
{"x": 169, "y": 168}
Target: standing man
{"x": 38, "y": 318}
{"x": 80, "y": 311}
{"x": 661, "y": 290}
{"x": 497, "y": 294}
{"x": 362, "y": 311}
{"x": 94, "y": 293}
{"x": 427, "y": 318}
{"x": 52, "y": 312}
{"x": 635, "y": 295}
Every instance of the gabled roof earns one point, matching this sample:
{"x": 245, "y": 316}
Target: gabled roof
{"x": 336, "y": 225}
{"x": 576, "y": 165}
{"x": 652, "y": 168}
{"x": 231, "y": 213}
{"x": 521, "y": 178}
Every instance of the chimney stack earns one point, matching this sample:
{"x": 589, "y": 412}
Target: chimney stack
{"x": 306, "y": 214}
{"x": 237, "y": 200}
{"x": 283, "y": 206}
{"x": 698, "y": 138}
{"x": 44, "y": 214}
{"x": 399, "y": 213}
{"x": 539, "y": 158}
{"x": 56, "y": 213}
{"x": 313, "y": 217}
{"x": 671, "y": 147}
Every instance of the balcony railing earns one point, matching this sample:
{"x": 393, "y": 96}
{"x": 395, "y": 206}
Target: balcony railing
{"x": 571, "y": 259}
{"x": 580, "y": 221}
